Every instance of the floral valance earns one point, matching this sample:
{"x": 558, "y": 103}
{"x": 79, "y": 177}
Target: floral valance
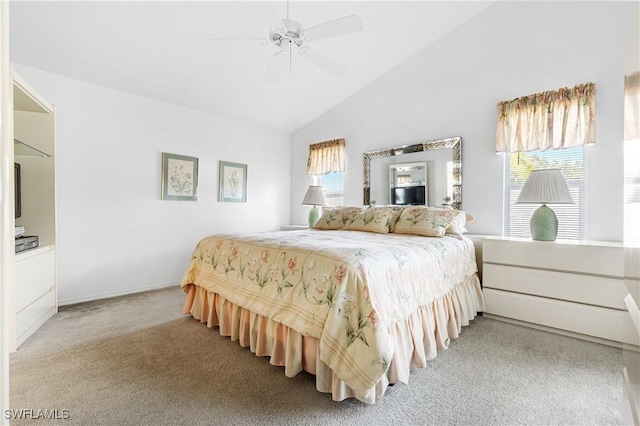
{"x": 632, "y": 106}
{"x": 326, "y": 157}
{"x": 555, "y": 119}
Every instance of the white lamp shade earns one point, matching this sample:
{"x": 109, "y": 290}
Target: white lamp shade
{"x": 314, "y": 197}
{"x": 546, "y": 186}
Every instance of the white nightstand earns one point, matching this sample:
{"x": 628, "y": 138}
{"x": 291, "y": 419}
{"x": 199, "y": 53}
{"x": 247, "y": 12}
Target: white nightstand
{"x": 575, "y": 288}
{"x": 478, "y": 240}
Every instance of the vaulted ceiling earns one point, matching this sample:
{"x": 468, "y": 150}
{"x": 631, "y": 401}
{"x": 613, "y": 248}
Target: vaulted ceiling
{"x": 160, "y": 49}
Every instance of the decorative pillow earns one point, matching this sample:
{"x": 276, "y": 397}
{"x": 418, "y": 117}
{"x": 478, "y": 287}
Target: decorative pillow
{"x": 425, "y": 221}
{"x": 334, "y": 218}
{"x": 369, "y": 220}
{"x": 457, "y": 225}
{"x": 396, "y": 211}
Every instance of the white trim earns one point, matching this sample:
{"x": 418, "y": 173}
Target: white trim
{"x": 7, "y": 253}
{"x": 116, "y": 294}
{"x": 556, "y": 331}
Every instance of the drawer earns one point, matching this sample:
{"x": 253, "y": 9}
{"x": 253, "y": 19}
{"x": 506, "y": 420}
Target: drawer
{"x": 29, "y": 290}
{"x": 594, "y": 321}
{"x": 39, "y": 310}
{"x": 32, "y": 266}
{"x": 35, "y": 276}
{"x": 592, "y": 290}
{"x": 632, "y": 262}
{"x": 583, "y": 257}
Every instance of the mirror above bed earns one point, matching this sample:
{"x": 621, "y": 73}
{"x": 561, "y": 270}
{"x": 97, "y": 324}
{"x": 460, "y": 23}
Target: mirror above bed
{"x": 428, "y": 173}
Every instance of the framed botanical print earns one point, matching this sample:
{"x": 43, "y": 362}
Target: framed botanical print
{"x": 233, "y": 182}
{"x": 179, "y": 177}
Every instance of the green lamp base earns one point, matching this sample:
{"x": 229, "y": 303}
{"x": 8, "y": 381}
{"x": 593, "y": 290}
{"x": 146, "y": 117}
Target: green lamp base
{"x": 314, "y": 215}
{"x": 544, "y": 224}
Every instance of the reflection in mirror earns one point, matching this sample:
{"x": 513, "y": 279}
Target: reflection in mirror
{"x": 427, "y": 173}
{"x": 408, "y": 183}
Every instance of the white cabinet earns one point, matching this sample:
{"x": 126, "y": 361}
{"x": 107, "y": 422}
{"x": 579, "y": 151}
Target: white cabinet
{"x": 34, "y": 290}
{"x": 574, "y": 288}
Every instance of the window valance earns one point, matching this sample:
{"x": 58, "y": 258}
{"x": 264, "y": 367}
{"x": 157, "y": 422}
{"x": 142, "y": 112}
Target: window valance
{"x": 326, "y": 157}
{"x": 555, "y": 119}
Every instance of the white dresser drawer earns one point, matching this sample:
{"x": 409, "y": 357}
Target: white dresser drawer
{"x": 604, "y": 259}
{"x": 30, "y": 290}
{"x": 588, "y": 289}
{"x": 29, "y": 265}
{"x": 594, "y": 321}
{"x": 34, "y": 276}
{"x": 34, "y": 315}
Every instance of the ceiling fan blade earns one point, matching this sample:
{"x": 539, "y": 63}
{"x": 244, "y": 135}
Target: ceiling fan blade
{"x": 265, "y": 10}
{"x": 322, "y": 61}
{"x": 263, "y": 40}
{"x": 275, "y": 67}
{"x": 345, "y": 25}
{"x": 292, "y": 25}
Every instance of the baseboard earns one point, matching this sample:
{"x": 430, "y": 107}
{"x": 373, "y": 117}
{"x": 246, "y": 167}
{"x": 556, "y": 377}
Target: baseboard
{"x": 559, "y": 331}
{"x": 115, "y": 294}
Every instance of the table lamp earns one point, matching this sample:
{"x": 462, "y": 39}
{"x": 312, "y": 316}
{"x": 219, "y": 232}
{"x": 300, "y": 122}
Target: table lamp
{"x": 546, "y": 186}
{"x": 314, "y": 197}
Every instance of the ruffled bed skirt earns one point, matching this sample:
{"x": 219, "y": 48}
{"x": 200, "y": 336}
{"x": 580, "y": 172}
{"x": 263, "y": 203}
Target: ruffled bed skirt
{"x": 416, "y": 340}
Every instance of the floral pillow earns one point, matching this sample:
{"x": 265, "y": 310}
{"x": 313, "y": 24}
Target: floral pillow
{"x": 396, "y": 211}
{"x": 425, "y": 221}
{"x": 369, "y": 220}
{"x": 334, "y": 218}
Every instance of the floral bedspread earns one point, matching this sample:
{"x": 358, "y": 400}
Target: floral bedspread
{"x": 344, "y": 288}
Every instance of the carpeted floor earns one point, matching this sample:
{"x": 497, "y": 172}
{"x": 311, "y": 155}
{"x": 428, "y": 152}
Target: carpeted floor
{"x": 135, "y": 360}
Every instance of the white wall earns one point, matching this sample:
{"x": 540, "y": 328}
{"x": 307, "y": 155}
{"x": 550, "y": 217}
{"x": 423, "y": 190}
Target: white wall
{"x": 452, "y": 87}
{"x": 114, "y": 233}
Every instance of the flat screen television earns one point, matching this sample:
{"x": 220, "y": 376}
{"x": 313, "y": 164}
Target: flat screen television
{"x": 408, "y": 195}
{"x": 17, "y": 190}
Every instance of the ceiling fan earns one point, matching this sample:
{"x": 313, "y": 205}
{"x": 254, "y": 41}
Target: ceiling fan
{"x": 289, "y": 36}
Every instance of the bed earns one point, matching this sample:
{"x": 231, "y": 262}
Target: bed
{"x": 356, "y": 309}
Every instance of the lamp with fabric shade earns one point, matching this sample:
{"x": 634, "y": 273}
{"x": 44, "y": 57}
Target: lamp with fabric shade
{"x": 546, "y": 186}
{"x": 314, "y": 197}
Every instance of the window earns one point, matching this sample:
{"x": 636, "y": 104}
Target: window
{"x": 632, "y": 192}
{"x": 632, "y": 159}
{"x": 571, "y": 217}
{"x": 333, "y": 186}
{"x": 326, "y": 165}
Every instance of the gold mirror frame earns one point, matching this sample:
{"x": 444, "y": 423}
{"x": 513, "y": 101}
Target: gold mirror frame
{"x": 455, "y": 144}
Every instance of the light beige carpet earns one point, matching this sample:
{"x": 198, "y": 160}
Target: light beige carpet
{"x": 135, "y": 360}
